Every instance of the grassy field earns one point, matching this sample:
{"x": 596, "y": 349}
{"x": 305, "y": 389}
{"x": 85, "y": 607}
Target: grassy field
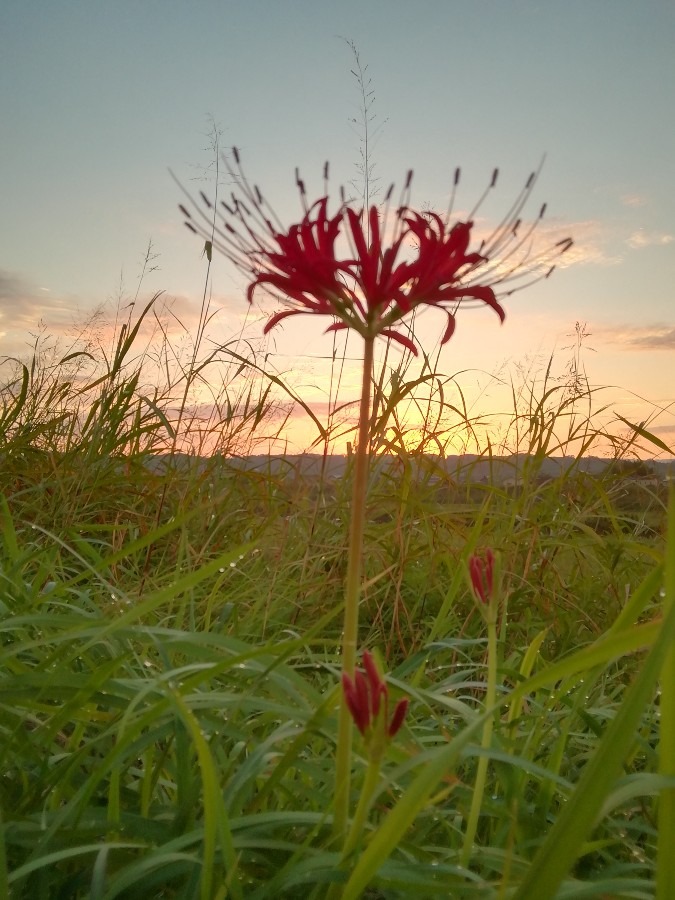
{"x": 170, "y": 669}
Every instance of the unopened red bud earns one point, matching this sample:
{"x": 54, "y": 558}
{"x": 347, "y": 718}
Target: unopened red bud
{"x": 481, "y": 571}
{"x": 398, "y": 717}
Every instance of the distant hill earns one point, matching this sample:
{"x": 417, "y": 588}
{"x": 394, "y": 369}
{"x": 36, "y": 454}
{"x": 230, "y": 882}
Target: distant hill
{"x": 466, "y": 468}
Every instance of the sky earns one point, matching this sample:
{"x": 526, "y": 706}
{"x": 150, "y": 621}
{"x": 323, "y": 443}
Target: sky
{"x": 100, "y": 100}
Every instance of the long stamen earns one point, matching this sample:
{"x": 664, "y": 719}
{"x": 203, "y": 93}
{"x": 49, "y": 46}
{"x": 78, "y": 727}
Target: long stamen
{"x": 513, "y": 214}
{"x": 481, "y": 199}
{"x": 453, "y": 194}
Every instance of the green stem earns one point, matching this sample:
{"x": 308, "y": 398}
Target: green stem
{"x": 343, "y": 757}
{"x": 481, "y": 772}
{"x": 358, "y": 822}
{"x": 365, "y": 799}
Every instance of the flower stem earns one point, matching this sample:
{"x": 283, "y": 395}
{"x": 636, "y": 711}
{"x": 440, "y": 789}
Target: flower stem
{"x": 355, "y": 834}
{"x": 343, "y": 758}
{"x": 361, "y": 814}
{"x": 481, "y": 772}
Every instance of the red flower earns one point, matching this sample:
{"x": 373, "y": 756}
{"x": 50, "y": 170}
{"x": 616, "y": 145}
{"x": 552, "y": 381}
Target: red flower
{"x": 426, "y": 262}
{"x": 367, "y": 696}
{"x": 481, "y": 570}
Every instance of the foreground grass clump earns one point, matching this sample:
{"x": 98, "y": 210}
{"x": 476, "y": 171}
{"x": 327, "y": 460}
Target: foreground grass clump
{"x": 169, "y": 677}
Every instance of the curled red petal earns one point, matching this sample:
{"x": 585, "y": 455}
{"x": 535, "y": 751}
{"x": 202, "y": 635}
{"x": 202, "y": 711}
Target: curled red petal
{"x": 449, "y": 330}
{"x": 487, "y": 295}
{"x": 401, "y": 338}
{"x": 280, "y": 316}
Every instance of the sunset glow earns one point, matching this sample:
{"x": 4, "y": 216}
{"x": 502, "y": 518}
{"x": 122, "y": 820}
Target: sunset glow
{"x": 94, "y": 228}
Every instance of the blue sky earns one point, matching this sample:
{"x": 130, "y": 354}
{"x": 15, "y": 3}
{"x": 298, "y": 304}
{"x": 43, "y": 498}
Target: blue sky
{"x": 99, "y": 99}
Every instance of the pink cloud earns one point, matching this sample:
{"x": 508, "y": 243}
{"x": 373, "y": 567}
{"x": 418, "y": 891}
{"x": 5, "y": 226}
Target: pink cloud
{"x": 639, "y": 337}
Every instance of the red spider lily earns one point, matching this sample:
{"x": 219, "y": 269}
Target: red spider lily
{"x": 481, "y": 571}
{"x": 367, "y": 695}
{"x": 376, "y": 284}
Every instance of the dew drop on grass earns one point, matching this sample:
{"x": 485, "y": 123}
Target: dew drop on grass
{"x": 662, "y": 592}
{"x": 221, "y": 569}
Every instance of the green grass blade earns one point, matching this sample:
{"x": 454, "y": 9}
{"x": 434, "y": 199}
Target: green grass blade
{"x": 216, "y": 822}
{"x": 602, "y": 651}
{"x": 53, "y": 859}
{"x": 4, "y": 880}
{"x": 665, "y": 881}
{"x": 563, "y": 842}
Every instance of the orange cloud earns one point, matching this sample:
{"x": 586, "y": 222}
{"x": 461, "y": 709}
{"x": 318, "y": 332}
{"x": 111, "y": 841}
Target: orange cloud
{"x": 22, "y": 304}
